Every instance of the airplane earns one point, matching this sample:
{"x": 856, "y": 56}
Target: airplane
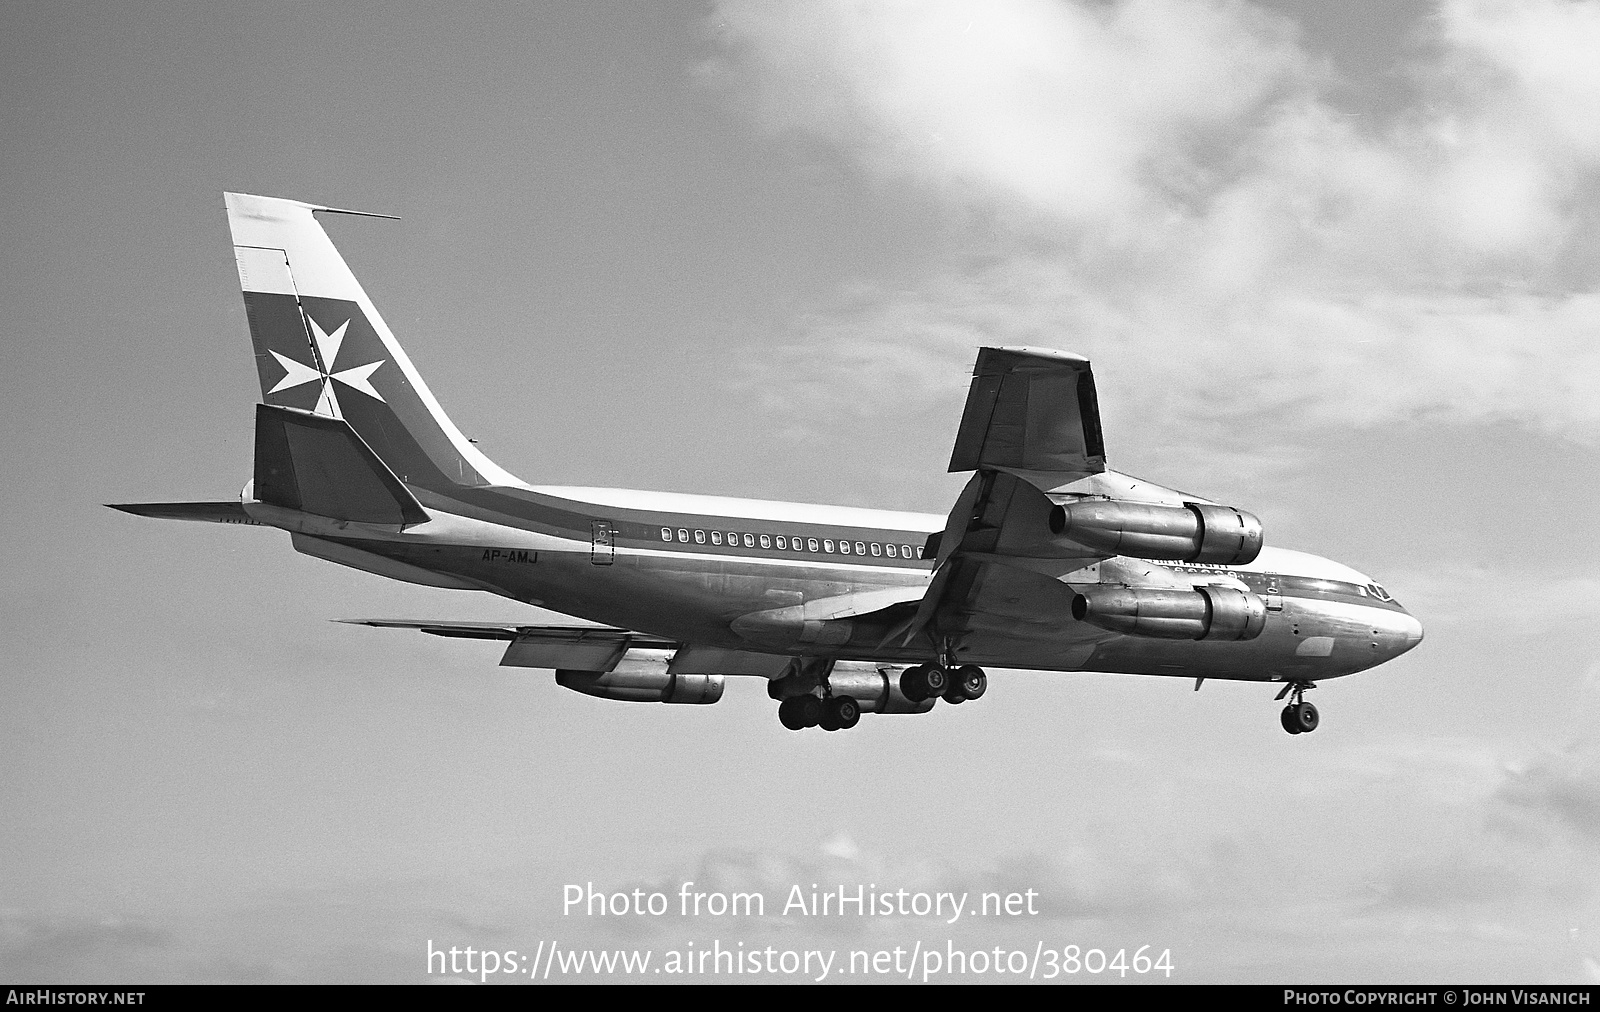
{"x": 1049, "y": 560}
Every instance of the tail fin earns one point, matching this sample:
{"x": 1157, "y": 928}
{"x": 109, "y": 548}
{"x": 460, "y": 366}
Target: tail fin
{"x": 321, "y": 346}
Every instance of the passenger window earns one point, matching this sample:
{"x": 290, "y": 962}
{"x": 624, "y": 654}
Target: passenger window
{"x": 827, "y": 545}
{"x": 844, "y": 548}
{"x": 890, "y": 551}
{"x": 875, "y": 549}
{"x": 733, "y": 539}
{"x": 861, "y": 548}
{"x": 811, "y": 544}
{"x": 666, "y": 534}
{"x": 683, "y": 534}
{"x": 783, "y": 545}
{"x": 699, "y": 537}
{"x": 766, "y": 541}
{"x": 749, "y": 540}
{"x": 716, "y": 537}
{"x": 919, "y": 550}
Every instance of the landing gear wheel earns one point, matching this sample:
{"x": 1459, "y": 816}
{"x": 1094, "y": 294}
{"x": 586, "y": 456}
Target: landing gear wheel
{"x": 843, "y": 712}
{"x": 971, "y": 681}
{"x": 911, "y": 685}
{"x": 954, "y": 695}
{"x": 1305, "y": 717}
{"x": 791, "y": 715}
{"x": 923, "y": 681}
{"x": 809, "y": 710}
{"x": 1299, "y": 716}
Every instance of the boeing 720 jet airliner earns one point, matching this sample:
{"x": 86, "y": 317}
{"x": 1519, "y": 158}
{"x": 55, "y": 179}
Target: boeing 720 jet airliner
{"x": 1049, "y": 560}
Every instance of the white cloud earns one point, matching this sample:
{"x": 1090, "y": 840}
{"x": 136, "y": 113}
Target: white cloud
{"x": 1534, "y": 604}
{"x": 1543, "y": 52}
{"x": 1559, "y": 792}
{"x": 1062, "y": 106}
{"x": 1178, "y": 197}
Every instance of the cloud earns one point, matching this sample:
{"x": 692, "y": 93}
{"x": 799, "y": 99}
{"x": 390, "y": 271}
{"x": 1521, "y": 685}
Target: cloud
{"x": 1059, "y": 106}
{"x": 1531, "y": 604}
{"x": 1558, "y": 795}
{"x": 1172, "y": 189}
{"x": 41, "y": 947}
{"x": 1465, "y": 901}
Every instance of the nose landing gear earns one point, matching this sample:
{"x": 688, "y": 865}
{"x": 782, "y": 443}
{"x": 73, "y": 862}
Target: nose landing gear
{"x": 1298, "y": 717}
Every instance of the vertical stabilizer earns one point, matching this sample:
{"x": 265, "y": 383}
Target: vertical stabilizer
{"x": 321, "y": 346}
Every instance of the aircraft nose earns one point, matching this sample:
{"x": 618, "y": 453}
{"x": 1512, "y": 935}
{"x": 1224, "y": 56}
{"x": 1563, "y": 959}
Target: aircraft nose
{"x": 1411, "y": 629}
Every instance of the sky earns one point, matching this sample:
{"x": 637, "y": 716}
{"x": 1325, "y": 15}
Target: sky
{"x": 1334, "y": 264}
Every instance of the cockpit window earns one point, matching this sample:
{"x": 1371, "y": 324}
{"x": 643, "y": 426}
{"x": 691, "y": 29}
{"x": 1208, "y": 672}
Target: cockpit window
{"x": 1378, "y": 592}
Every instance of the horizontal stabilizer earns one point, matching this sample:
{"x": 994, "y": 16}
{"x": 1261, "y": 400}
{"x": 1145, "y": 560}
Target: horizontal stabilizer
{"x": 230, "y": 512}
{"x": 557, "y": 647}
{"x": 509, "y": 630}
{"x": 320, "y": 465}
{"x": 573, "y": 647}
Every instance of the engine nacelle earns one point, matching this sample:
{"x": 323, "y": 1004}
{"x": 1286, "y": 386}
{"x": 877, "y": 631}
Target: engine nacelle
{"x": 643, "y": 686}
{"x": 874, "y": 690}
{"x": 1204, "y": 613}
{"x": 1193, "y": 532}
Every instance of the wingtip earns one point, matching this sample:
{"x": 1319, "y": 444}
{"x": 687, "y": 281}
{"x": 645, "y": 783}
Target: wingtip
{"x": 1032, "y": 352}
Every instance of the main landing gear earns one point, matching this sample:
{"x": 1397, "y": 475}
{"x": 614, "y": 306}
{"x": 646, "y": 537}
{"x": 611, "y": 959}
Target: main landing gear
{"x": 924, "y": 681}
{"x": 1298, "y": 717}
{"x": 835, "y": 713}
{"x": 840, "y": 712}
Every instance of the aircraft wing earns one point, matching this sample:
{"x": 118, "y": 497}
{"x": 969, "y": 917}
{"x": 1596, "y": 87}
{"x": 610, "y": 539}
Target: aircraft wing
{"x": 1031, "y": 427}
{"x": 1032, "y": 412}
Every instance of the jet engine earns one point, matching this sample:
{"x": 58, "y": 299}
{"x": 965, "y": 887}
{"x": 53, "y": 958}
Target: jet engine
{"x": 1193, "y": 532}
{"x": 1204, "y": 613}
{"x": 643, "y": 686}
{"x": 876, "y": 691}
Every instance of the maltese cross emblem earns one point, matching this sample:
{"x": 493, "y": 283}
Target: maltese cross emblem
{"x": 356, "y": 378}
